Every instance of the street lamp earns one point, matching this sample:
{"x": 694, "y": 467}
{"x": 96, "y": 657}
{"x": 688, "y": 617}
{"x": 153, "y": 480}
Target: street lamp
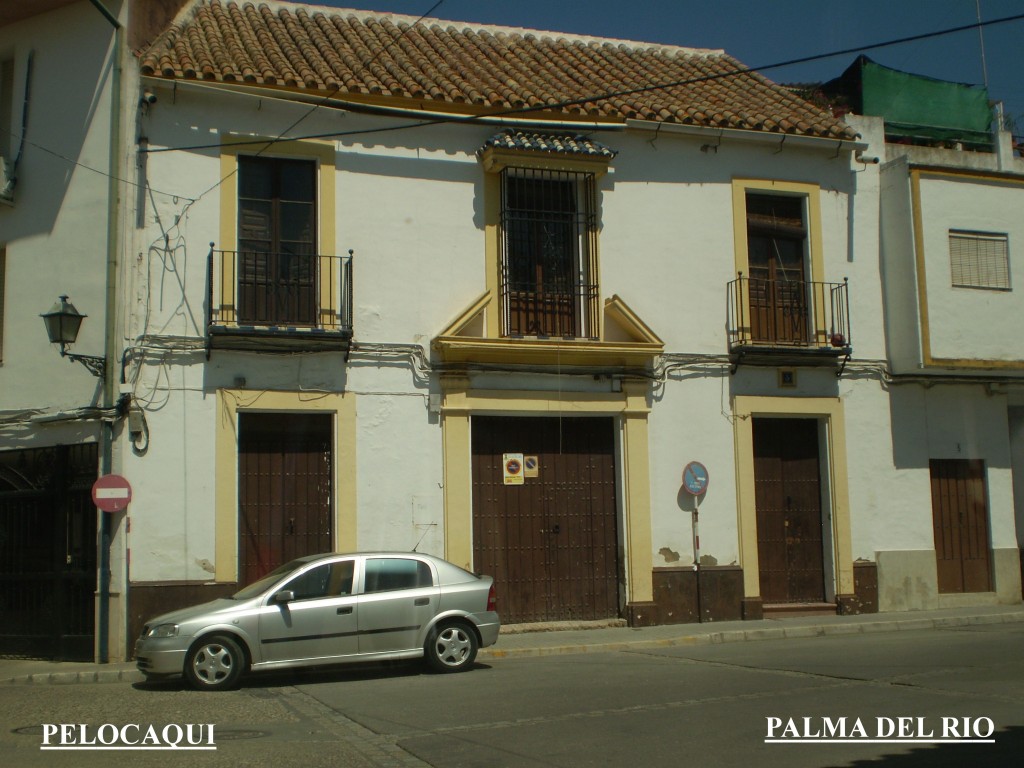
{"x": 62, "y": 324}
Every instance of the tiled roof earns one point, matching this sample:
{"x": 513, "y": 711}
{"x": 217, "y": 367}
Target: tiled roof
{"x": 541, "y": 142}
{"x": 473, "y": 69}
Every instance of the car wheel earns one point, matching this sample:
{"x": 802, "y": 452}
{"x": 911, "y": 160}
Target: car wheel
{"x": 214, "y": 663}
{"x": 451, "y": 647}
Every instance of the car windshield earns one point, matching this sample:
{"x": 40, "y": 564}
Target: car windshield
{"x": 260, "y": 585}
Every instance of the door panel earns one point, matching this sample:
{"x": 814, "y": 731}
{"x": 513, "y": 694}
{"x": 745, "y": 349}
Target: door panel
{"x": 960, "y": 520}
{"x": 284, "y": 488}
{"x": 398, "y": 599}
{"x": 551, "y": 544}
{"x": 310, "y": 629}
{"x": 788, "y": 506}
{"x": 320, "y": 622}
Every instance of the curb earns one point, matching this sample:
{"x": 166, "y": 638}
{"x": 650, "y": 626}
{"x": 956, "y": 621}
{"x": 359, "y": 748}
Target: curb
{"x": 70, "y": 678}
{"x": 753, "y": 635}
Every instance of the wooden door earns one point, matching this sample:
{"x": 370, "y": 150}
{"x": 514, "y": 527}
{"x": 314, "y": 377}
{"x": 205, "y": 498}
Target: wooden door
{"x": 284, "y": 489}
{"x": 551, "y": 544}
{"x": 960, "y": 520}
{"x": 787, "y": 496}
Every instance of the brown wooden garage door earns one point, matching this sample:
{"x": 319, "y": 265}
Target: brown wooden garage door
{"x": 787, "y": 492}
{"x": 284, "y": 489}
{"x": 551, "y": 544}
{"x": 960, "y": 518}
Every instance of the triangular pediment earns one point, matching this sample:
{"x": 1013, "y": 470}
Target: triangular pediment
{"x": 626, "y": 341}
{"x": 623, "y": 324}
{"x": 472, "y": 321}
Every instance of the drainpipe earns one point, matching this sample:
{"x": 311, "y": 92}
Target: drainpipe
{"x": 110, "y": 336}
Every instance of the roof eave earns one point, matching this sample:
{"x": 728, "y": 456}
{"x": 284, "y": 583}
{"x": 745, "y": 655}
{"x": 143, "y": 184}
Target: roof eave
{"x": 716, "y": 135}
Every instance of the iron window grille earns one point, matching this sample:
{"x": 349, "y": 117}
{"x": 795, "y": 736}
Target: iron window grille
{"x": 548, "y": 253}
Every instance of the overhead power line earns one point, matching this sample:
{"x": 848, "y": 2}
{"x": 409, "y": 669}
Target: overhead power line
{"x": 509, "y": 112}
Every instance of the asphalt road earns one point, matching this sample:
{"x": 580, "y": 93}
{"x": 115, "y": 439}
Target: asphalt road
{"x": 712, "y": 705}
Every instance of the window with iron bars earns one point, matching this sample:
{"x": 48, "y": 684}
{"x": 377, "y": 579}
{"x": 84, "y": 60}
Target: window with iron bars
{"x": 548, "y": 260}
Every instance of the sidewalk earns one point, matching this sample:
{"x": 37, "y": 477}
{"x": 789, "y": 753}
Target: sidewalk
{"x": 560, "y": 638}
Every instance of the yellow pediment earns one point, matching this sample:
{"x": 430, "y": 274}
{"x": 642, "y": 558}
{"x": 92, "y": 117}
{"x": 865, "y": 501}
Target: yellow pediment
{"x": 625, "y": 341}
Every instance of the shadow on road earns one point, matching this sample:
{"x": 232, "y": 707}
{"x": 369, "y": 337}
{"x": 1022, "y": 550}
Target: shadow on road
{"x": 315, "y": 675}
{"x": 1007, "y": 750}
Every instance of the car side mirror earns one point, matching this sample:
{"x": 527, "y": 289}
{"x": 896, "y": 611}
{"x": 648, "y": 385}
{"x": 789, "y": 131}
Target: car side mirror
{"x": 284, "y": 596}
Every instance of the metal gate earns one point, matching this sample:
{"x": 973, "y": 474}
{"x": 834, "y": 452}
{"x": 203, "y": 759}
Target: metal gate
{"x": 551, "y": 544}
{"x": 787, "y": 496}
{"x": 960, "y": 520}
{"x": 48, "y": 552}
{"x": 284, "y": 489}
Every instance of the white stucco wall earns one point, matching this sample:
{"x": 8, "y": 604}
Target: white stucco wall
{"x": 410, "y": 206}
{"x": 971, "y": 323}
{"x": 55, "y": 234}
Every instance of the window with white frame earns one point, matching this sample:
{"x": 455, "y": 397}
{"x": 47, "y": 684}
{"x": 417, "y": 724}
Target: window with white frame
{"x": 979, "y": 260}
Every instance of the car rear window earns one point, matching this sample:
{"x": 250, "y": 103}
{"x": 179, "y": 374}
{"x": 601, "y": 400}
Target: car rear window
{"x": 386, "y": 573}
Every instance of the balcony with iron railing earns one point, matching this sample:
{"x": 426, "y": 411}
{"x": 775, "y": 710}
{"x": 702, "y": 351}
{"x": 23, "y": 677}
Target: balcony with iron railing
{"x": 278, "y": 301}
{"x": 788, "y": 322}
{"x": 545, "y": 310}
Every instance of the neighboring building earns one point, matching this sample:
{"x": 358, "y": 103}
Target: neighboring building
{"x": 485, "y": 292}
{"x": 949, "y": 200}
{"x": 68, "y": 100}
{"x": 58, "y": 134}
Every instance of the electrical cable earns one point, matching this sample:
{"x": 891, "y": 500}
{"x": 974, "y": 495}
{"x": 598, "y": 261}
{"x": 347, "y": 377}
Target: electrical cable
{"x": 610, "y": 94}
{"x": 270, "y": 143}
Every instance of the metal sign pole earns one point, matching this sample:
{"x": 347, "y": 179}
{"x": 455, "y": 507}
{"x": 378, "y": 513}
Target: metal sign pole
{"x": 696, "y": 553}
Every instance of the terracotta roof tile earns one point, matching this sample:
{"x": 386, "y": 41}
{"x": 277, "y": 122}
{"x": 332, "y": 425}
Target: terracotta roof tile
{"x": 486, "y": 68}
{"x": 532, "y": 141}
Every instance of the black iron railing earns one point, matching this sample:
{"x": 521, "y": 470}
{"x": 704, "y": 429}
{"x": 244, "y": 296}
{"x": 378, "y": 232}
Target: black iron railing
{"x": 292, "y": 290}
{"x": 789, "y": 314}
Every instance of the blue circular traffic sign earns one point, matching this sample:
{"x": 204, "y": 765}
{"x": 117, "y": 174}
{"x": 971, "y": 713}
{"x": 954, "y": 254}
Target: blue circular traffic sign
{"x": 695, "y": 478}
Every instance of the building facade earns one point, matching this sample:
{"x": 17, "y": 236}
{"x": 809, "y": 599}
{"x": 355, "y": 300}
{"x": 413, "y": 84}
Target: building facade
{"x": 385, "y": 285}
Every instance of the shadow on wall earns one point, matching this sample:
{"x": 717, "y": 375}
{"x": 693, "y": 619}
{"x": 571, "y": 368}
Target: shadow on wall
{"x": 946, "y": 423}
{"x": 58, "y": 126}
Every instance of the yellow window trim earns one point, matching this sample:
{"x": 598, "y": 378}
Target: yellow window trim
{"x": 494, "y": 161}
{"x": 745, "y": 408}
{"x": 323, "y": 153}
{"x": 232, "y": 401}
{"x": 815, "y": 247}
{"x": 927, "y": 359}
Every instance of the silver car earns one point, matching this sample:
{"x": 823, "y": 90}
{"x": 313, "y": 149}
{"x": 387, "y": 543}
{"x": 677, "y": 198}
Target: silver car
{"x": 327, "y": 609}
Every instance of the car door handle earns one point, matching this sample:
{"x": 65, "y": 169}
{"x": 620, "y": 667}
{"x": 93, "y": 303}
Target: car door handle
{"x": 344, "y": 610}
{"x": 422, "y": 601}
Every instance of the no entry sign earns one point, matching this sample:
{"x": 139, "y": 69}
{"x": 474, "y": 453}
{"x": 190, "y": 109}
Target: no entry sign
{"x": 111, "y": 493}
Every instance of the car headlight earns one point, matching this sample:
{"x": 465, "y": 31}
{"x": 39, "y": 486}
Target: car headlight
{"x": 163, "y": 630}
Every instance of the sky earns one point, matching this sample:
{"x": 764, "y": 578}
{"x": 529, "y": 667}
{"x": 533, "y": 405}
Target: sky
{"x": 761, "y": 33}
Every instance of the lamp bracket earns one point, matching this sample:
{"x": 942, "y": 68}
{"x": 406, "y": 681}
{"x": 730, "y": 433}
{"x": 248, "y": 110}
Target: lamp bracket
{"x": 97, "y": 365}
